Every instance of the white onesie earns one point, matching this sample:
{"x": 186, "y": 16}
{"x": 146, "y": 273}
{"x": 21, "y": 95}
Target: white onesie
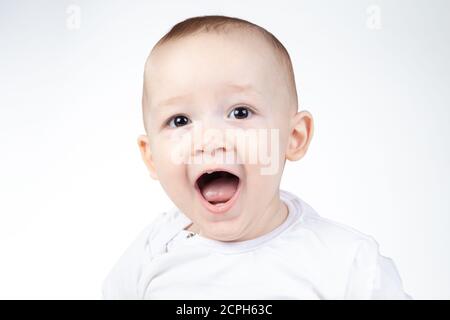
{"x": 306, "y": 257}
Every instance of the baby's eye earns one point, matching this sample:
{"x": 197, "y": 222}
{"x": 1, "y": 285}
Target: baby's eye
{"x": 240, "y": 113}
{"x": 178, "y": 121}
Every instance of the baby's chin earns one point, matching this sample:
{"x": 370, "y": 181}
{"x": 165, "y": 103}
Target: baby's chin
{"x": 220, "y": 214}
{"x": 225, "y": 225}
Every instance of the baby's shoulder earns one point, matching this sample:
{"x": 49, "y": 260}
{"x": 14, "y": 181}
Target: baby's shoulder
{"x": 167, "y": 223}
{"x": 122, "y": 279}
{"x": 162, "y": 228}
{"x": 331, "y": 234}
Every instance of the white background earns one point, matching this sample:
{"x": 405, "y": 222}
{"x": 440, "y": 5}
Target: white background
{"x": 74, "y": 192}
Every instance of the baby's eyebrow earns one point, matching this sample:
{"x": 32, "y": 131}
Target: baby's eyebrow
{"x": 174, "y": 100}
{"x": 229, "y": 87}
{"x": 240, "y": 87}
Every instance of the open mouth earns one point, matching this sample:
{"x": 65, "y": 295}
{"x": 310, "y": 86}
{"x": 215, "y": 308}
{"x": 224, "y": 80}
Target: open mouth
{"x": 218, "y": 187}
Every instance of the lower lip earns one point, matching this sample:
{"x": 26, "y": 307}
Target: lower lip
{"x": 223, "y": 207}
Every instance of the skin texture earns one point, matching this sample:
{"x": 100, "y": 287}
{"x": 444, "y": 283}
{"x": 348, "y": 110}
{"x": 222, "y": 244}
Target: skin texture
{"x": 206, "y": 70}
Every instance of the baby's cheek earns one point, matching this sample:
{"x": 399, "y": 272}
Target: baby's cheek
{"x": 245, "y": 143}
{"x": 259, "y": 147}
{"x": 172, "y": 175}
{"x": 173, "y": 150}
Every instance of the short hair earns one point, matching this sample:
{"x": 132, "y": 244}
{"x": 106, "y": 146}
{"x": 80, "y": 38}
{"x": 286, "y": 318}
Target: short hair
{"x": 223, "y": 24}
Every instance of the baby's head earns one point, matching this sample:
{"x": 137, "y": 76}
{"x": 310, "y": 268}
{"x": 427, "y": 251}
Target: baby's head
{"x": 221, "y": 117}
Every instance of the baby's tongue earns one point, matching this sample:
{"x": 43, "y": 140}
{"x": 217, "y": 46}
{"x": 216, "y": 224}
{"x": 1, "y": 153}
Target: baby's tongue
{"x": 220, "y": 189}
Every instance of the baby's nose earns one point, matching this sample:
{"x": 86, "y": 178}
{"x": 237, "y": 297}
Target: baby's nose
{"x": 210, "y": 141}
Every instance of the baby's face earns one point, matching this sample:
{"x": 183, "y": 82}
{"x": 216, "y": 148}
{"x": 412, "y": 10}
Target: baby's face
{"x": 218, "y": 104}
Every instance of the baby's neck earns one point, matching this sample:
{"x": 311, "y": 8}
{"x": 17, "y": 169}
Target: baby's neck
{"x": 275, "y": 214}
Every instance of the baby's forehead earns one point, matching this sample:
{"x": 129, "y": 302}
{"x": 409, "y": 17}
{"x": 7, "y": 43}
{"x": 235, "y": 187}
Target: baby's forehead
{"x": 211, "y": 60}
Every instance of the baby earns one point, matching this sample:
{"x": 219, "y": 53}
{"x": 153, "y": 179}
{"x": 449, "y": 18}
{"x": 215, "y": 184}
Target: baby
{"x": 221, "y": 117}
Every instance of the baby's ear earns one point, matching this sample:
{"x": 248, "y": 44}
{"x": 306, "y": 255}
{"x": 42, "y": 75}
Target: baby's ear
{"x": 144, "y": 147}
{"x": 302, "y": 129}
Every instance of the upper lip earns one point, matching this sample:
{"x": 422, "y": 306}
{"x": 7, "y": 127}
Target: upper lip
{"x": 212, "y": 169}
